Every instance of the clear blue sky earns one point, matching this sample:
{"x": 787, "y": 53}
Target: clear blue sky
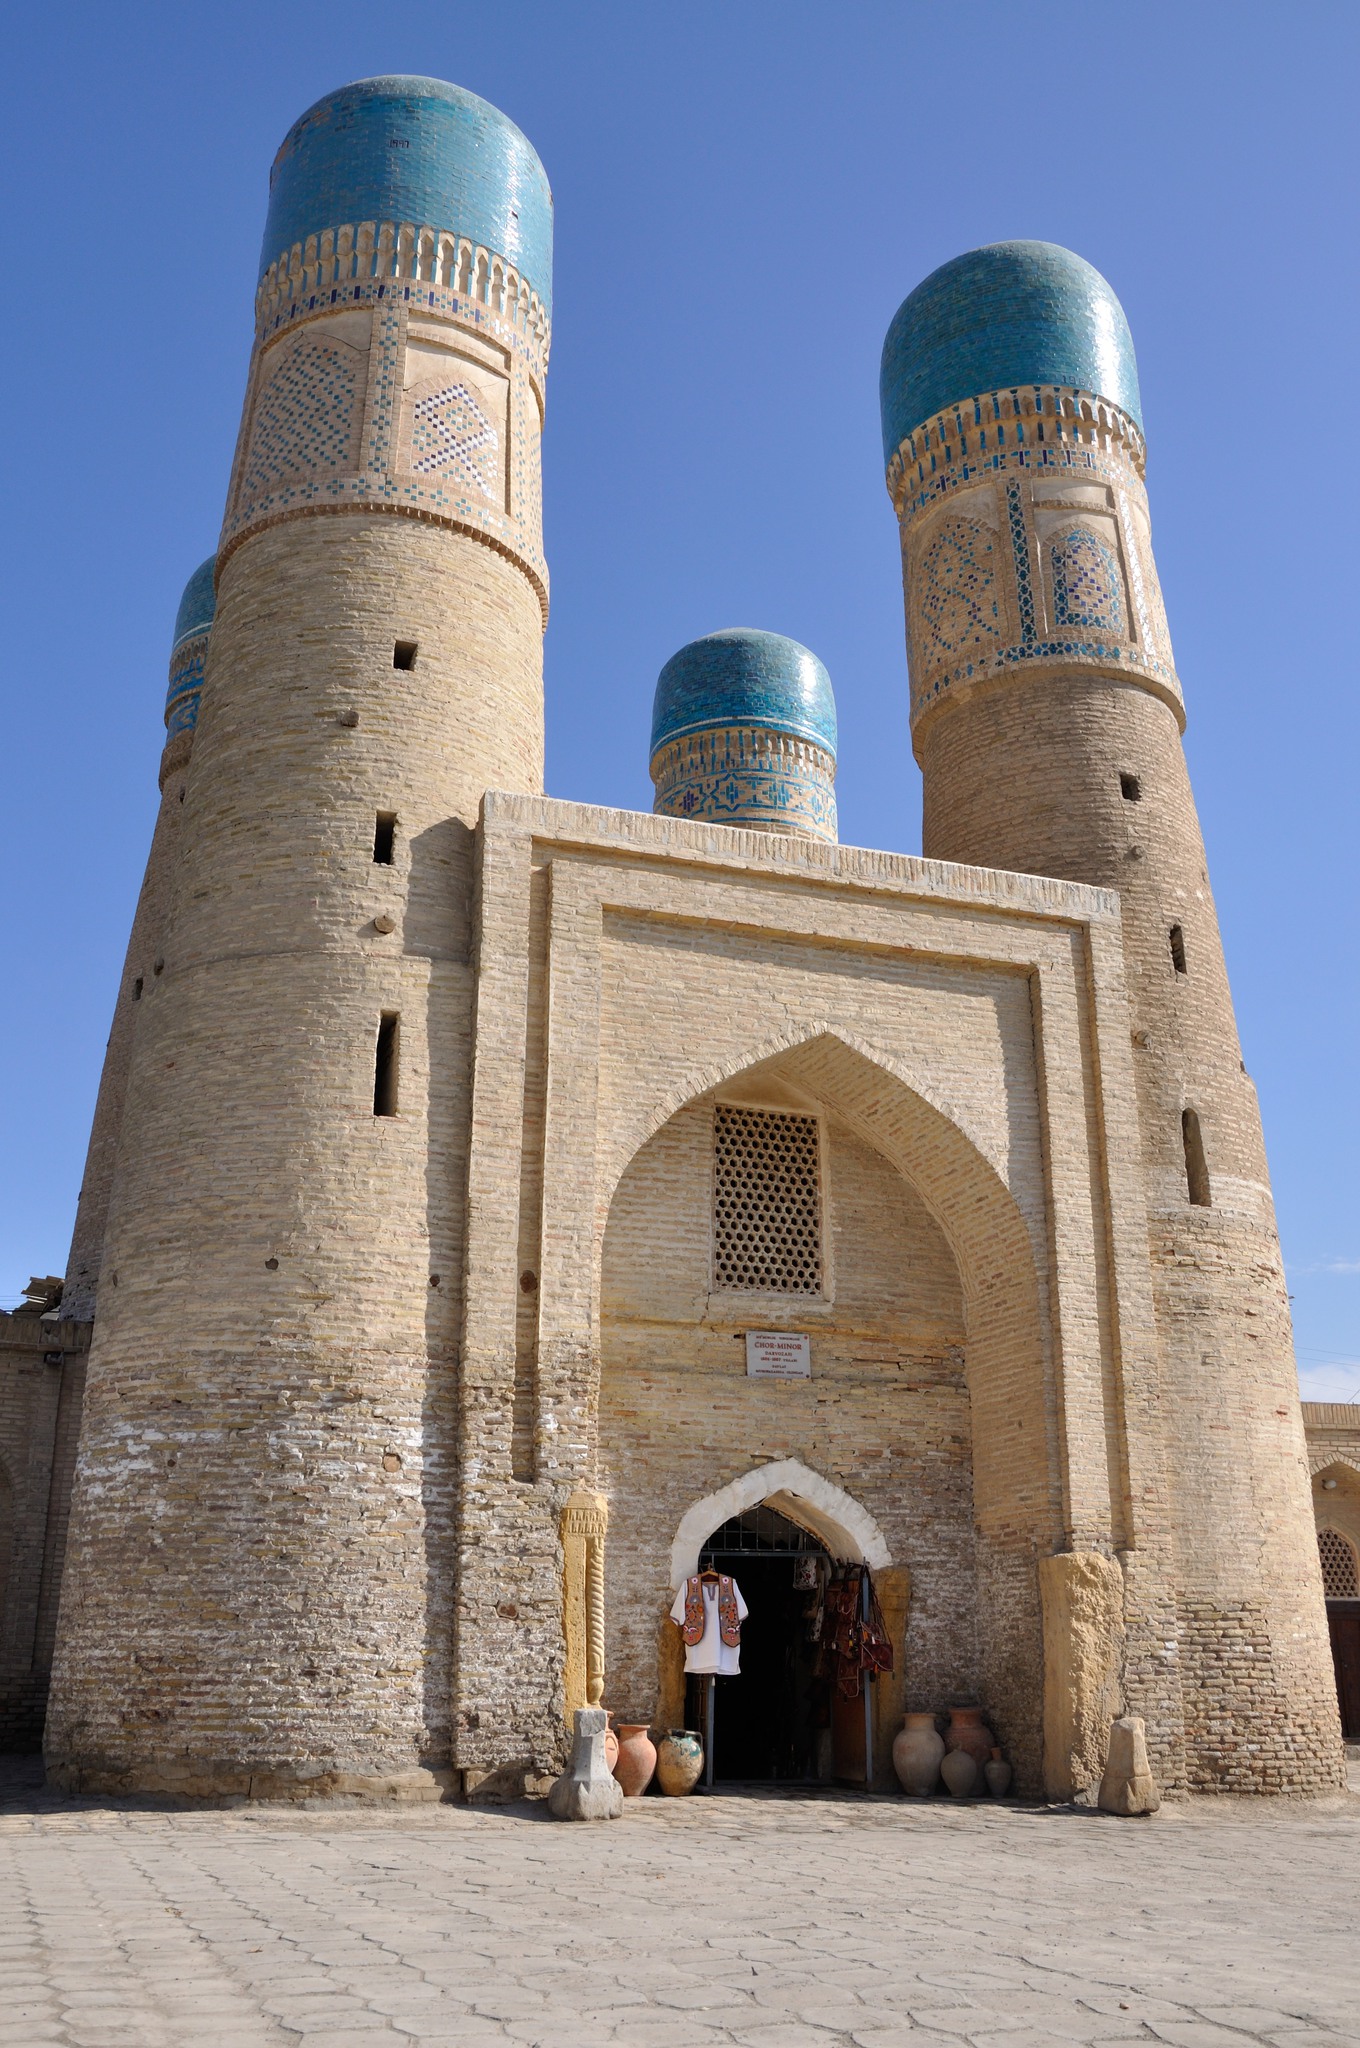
{"x": 745, "y": 192}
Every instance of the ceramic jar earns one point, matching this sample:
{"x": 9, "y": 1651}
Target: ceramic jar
{"x": 637, "y": 1758}
{"x": 967, "y": 1730}
{"x": 997, "y": 1772}
{"x": 916, "y": 1753}
{"x": 611, "y": 1745}
{"x": 679, "y": 1762}
{"x": 960, "y": 1773}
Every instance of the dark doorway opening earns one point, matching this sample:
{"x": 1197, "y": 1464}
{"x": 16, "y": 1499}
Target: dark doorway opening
{"x": 772, "y": 1722}
{"x": 1343, "y": 1624}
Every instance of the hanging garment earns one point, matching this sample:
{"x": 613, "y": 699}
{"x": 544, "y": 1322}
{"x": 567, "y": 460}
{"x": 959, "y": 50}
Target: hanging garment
{"x": 854, "y": 1641}
{"x": 709, "y": 1614}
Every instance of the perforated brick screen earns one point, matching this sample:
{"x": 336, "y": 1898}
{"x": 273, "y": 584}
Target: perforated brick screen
{"x": 767, "y": 1227}
{"x": 1340, "y": 1580}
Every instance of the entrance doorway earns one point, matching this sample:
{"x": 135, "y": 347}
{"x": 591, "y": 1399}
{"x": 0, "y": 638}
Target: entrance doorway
{"x": 774, "y": 1722}
{"x": 1343, "y": 1623}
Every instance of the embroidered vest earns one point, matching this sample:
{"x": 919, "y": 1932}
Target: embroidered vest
{"x": 729, "y": 1628}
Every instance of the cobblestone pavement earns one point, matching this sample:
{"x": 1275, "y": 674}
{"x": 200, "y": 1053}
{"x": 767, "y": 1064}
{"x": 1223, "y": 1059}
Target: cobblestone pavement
{"x": 762, "y": 1922}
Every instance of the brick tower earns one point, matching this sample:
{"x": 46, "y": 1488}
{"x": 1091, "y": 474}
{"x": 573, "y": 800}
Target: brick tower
{"x": 259, "y": 1581}
{"x": 188, "y": 653}
{"x": 1047, "y": 718}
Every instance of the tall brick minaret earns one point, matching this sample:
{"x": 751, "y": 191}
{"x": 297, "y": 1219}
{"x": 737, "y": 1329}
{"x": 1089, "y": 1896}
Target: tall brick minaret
{"x": 1046, "y": 717}
{"x": 259, "y": 1577}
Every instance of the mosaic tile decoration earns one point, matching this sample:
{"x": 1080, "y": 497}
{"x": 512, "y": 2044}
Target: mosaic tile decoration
{"x": 452, "y": 436}
{"x": 1024, "y": 589}
{"x": 199, "y": 602}
{"x": 742, "y": 775}
{"x": 959, "y": 601}
{"x": 189, "y": 649}
{"x": 1087, "y": 583}
{"x": 1009, "y": 314}
{"x": 304, "y": 417}
{"x": 414, "y": 150}
{"x": 745, "y": 677}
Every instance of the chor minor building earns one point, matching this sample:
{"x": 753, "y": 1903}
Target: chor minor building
{"x": 498, "y": 1208}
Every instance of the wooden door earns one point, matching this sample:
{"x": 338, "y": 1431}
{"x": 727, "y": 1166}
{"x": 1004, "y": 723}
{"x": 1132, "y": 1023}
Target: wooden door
{"x": 1343, "y": 1620}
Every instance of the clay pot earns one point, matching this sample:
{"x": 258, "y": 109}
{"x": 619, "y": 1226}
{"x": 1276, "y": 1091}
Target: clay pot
{"x": 967, "y": 1730}
{"x": 916, "y": 1752}
{"x": 960, "y": 1773}
{"x": 679, "y": 1762}
{"x": 637, "y": 1758}
{"x": 611, "y": 1747}
{"x": 997, "y": 1772}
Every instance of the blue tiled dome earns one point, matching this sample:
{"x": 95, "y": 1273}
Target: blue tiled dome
{"x": 197, "y": 605}
{"x": 414, "y": 150}
{"x": 192, "y": 622}
{"x": 1008, "y": 314}
{"x": 745, "y": 678}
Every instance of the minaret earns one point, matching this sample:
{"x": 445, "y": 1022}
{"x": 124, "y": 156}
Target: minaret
{"x": 187, "y": 655}
{"x": 744, "y": 733}
{"x": 1046, "y": 717}
{"x": 260, "y": 1577}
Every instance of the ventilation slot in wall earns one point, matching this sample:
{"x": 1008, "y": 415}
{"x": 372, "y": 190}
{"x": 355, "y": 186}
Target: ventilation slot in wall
{"x": 1340, "y": 1574}
{"x": 385, "y": 1064}
{"x": 384, "y": 838}
{"x": 404, "y": 654}
{"x": 1196, "y": 1167}
{"x": 1130, "y": 788}
{"x": 767, "y": 1224}
{"x": 1177, "y": 937}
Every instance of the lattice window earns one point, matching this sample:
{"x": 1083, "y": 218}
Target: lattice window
{"x": 767, "y": 1222}
{"x": 1340, "y": 1575}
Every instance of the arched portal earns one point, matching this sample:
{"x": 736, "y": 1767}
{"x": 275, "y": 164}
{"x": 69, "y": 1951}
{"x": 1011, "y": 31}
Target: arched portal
{"x": 846, "y": 1528}
{"x": 925, "y": 1409}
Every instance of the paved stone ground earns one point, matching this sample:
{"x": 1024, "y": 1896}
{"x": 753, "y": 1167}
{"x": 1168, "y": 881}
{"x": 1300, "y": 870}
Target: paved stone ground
{"x": 765, "y": 1923}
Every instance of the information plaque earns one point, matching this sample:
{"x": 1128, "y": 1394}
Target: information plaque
{"x": 778, "y": 1355}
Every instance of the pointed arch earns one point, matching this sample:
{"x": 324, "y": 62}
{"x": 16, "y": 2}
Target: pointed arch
{"x": 815, "y": 1503}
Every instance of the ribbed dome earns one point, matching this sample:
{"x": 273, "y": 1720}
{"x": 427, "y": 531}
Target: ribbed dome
{"x": 197, "y": 605}
{"x": 742, "y": 677}
{"x": 1009, "y": 314}
{"x": 419, "y": 151}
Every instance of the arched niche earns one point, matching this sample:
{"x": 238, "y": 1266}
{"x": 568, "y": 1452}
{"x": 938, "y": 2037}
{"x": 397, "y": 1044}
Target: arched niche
{"x": 848, "y": 1530}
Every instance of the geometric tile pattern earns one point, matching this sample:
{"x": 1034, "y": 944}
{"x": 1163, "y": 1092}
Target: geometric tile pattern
{"x": 1015, "y": 514}
{"x": 304, "y": 418}
{"x": 452, "y": 436}
{"x": 959, "y": 606}
{"x": 748, "y": 778}
{"x": 767, "y": 1225}
{"x": 1087, "y": 584}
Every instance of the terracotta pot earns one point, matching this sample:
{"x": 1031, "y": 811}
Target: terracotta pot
{"x": 637, "y": 1758}
{"x": 611, "y": 1747}
{"x": 997, "y": 1772}
{"x": 679, "y": 1762}
{"x": 960, "y": 1773}
{"x": 916, "y": 1752}
{"x": 967, "y": 1730}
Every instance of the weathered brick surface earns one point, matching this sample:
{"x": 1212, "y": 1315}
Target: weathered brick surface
{"x": 42, "y": 1371}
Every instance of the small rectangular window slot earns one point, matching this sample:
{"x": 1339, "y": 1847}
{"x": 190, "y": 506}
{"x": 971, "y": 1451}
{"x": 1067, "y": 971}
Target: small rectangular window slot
{"x": 384, "y": 838}
{"x": 404, "y": 654}
{"x": 385, "y": 1064}
{"x": 1130, "y": 788}
{"x": 137, "y": 990}
{"x": 1177, "y": 937}
{"x": 1196, "y": 1166}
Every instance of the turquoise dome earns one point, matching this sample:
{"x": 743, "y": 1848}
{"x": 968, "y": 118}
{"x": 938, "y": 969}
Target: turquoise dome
{"x": 1009, "y": 314}
{"x": 743, "y": 677}
{"x": 414, "y": 150}
{"x": 197, "y": 605}
{"x": 188, "y": 649}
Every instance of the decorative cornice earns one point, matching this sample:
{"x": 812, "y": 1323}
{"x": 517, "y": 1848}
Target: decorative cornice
{"x": 1022, "y": 429}
{"x": 357, "y": 263}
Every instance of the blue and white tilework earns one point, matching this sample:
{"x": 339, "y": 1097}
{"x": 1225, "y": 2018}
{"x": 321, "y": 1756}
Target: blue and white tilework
{"x": 1086, "y": 583}
{"x": 193, "y": 621}
{"x": 744, "y": 731}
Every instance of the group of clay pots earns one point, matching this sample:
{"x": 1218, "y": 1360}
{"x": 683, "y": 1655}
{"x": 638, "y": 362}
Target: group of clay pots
{"x": 676, "y": 1762}
{"x": 965, "y": 1757}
